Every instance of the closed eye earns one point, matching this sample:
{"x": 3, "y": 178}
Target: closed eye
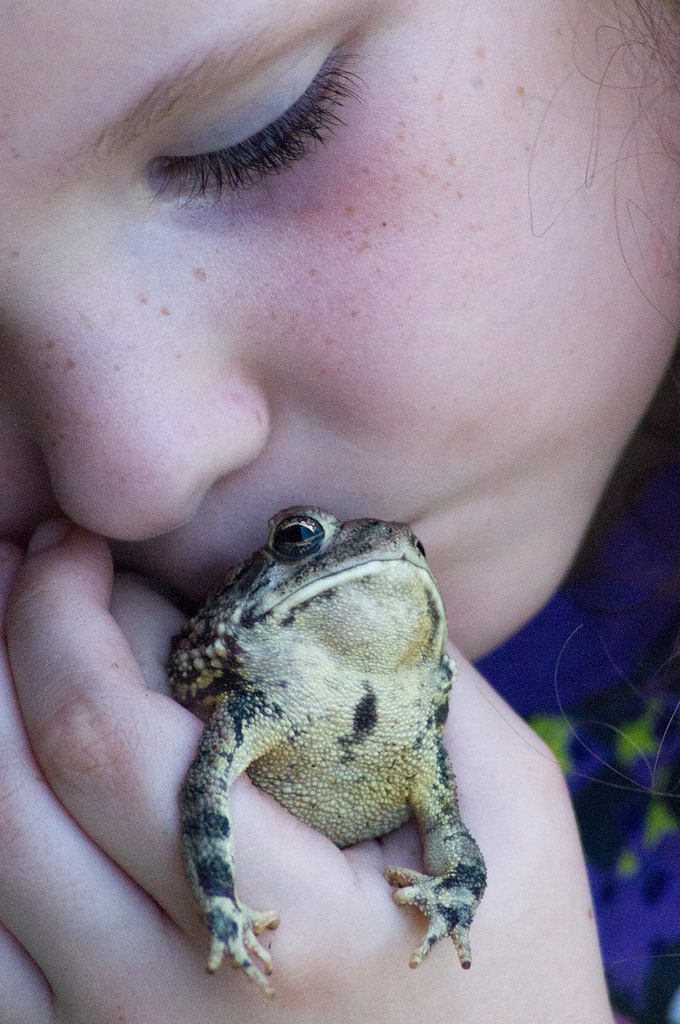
{"x": 311, "y": 120}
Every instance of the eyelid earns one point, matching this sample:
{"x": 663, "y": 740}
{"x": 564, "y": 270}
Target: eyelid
{"x": 312, "y": 118}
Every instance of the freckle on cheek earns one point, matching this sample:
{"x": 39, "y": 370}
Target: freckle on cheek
{"x": 200, "y": 274}
{"x": 165, "y": 311}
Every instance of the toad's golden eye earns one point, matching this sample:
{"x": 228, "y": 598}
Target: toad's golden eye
{"x": 296, "y": 537}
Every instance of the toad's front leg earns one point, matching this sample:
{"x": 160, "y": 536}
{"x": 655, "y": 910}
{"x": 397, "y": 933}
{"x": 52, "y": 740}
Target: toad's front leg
{"x": 230, "y": 742}
{"x": 451, "y": 890}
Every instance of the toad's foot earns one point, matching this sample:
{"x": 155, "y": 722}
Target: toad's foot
{"x": 234, "y": 929}
{"x": 448, "y": 901}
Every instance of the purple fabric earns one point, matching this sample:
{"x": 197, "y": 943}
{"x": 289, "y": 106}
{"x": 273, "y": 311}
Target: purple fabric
{"x": 594, "y": 672}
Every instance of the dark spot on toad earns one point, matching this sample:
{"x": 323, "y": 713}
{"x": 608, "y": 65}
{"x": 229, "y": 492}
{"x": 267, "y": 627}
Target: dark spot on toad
{"x": 365, "y": 715}
{"x": 364, "y": 722}
{"x": 207, "y": 823}
{"x": 444, "y": 769}
{"x": 215, "y": 876}
{"x": 434, "y": 617}
{"x": 441, "y": 714}
{"x": 246, "y": 705}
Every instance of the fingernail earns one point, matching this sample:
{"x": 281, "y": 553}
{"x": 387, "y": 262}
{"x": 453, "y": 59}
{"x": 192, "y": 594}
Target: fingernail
{"x": 49, "y": 534}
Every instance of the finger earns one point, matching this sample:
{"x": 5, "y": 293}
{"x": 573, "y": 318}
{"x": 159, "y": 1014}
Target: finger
{"x": 136, "y": 607}
{"x": 97, "y": 947}
{"x": 48, "y": 868}
{"x": 25, "y": 996}
{"x": 103, "y": 739}
{"x": 10, "y": 562}
{"x": 57, "y": 892}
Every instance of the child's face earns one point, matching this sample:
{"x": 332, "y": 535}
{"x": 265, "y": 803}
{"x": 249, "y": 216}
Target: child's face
{"x": 453, "y": 313}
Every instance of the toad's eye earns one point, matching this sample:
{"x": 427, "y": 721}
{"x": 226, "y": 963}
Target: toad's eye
{"x": 296, "y": 537}
{"x": 419, "y": 546}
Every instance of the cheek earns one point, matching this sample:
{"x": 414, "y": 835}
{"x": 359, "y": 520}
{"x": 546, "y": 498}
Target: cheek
{"x": 359, "y": 323}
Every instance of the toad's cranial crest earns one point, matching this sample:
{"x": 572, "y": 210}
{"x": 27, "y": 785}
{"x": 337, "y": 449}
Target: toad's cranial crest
{"x": 320, "y": 665}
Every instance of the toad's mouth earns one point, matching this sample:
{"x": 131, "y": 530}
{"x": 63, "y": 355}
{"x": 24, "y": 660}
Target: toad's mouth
{"x": 400, "y": 567}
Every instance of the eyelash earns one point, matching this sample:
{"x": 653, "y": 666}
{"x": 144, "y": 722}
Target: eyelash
{"x": 311, "y": 119}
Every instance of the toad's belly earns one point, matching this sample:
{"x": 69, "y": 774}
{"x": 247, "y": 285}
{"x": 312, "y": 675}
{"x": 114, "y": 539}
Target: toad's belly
{"x": 349, "y": 798}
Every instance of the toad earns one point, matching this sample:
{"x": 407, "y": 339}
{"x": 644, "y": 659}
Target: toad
{"x": 320, "y": 666}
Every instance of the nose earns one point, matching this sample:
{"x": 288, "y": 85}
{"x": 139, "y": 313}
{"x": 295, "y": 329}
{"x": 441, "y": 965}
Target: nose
{"x": 138, "y": 408}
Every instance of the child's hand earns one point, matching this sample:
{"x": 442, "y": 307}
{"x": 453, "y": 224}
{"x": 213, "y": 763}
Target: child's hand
{"x": 97, "y": 921}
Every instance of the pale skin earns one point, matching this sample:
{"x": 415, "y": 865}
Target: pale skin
{"x": 453, "y": 314}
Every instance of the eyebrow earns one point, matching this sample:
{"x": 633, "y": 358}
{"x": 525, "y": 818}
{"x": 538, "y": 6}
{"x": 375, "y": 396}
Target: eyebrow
{"x": 193, "y": 79}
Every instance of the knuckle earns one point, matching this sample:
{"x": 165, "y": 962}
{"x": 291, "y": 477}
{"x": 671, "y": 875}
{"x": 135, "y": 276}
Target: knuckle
{"x": 85, "y": 744}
